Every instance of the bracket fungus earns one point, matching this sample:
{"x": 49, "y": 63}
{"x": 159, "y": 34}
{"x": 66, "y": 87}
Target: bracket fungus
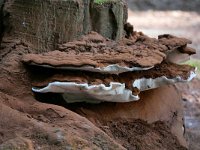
{"x": 95, "y": 69}
{"x": 74, "y": 92}
{"x": 97, "y": 54}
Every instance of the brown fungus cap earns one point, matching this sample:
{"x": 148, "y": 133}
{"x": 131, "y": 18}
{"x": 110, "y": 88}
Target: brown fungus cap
{"x": 95, "y": 51}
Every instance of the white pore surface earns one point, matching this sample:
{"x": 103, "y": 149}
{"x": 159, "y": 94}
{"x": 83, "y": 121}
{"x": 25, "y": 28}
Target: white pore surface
{"x": 110, "y": 69}
{"x": 73, "y": 92}
{"x": 116, "y": 92}
{"x": 149, "y": 83}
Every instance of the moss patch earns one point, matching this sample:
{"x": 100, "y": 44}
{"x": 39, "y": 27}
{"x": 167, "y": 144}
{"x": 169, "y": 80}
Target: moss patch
{"x": 103, "y": 1}
{"x": 194, "y": 63}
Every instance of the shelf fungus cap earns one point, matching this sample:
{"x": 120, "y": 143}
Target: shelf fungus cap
{"x": 114, "y": 92}
{"x": 74, "y": 92}
{"x": 144, "y": 84}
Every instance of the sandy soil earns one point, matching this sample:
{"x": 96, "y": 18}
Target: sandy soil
{"x": 137, "y": 131}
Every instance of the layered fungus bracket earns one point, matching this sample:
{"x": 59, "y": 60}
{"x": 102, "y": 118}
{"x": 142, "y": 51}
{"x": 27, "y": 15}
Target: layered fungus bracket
{"x": 94, "y": 68}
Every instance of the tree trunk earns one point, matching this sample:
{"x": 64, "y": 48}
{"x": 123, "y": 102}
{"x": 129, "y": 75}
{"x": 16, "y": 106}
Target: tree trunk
{"x": 46, "y": 23}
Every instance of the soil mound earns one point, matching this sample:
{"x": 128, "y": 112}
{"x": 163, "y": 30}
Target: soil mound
{"x": 136, "y": 134}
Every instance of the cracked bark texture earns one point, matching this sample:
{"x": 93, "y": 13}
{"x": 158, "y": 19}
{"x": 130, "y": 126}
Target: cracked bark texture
{"x": 45, "y": 23}
{"x": 1, "y": 19}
